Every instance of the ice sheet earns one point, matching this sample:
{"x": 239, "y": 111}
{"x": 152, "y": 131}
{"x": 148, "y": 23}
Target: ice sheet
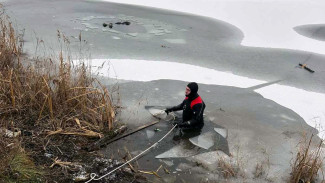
{"x": 223, "y": 132}
{"x": 204, "y": 141}
{"x": 177, "y": 152}
{"x": 158, "y": 113}
{"x": 150, "y": 133}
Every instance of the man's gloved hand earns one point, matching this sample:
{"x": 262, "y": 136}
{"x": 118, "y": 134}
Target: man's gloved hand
{"x": 184, "y": 124}
{"x": 168, "y": 110}
{"x": 176, "y": 123}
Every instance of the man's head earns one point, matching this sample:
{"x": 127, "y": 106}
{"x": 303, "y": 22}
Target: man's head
{"x": 191, "y": 89}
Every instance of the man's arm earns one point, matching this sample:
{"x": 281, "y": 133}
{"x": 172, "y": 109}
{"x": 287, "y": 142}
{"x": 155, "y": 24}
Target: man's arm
{"x": 175, "y": 108}
{"x": 197, "y": 115}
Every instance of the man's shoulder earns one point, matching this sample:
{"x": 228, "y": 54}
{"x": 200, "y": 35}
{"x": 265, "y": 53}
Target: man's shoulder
{"x": 197, "y": 100}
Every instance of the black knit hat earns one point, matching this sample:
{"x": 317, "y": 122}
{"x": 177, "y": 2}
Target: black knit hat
{"x": 194, "y": 88}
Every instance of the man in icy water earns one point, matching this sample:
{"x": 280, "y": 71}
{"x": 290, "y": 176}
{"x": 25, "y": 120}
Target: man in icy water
{"x": 193, "y": 108}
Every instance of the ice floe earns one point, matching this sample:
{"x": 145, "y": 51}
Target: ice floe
{"x": 204, "y": 141}
{"x": 177, "y": 152}
{"x": 221, "y": 131}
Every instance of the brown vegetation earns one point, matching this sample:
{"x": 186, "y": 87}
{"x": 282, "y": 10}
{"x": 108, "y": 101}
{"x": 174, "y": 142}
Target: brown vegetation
{"x": 69, "y": 98}
{"x": 46, "y": 99}
{"x": 307, "y": 163}
{"x": 228, "y": 169}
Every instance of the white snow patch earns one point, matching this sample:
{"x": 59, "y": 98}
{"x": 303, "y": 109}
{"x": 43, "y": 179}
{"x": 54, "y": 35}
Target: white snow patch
{"x": 267, "y": 23}
{"x": 90, "y": 26}
{"x": 143, "y": 70}
{"x": 110, "y": 30}
{"x": 115, "y": 37}
{"x": 132, "y": 34}
{"x": 287, "y": 117}
{"x": 176, "y": 41}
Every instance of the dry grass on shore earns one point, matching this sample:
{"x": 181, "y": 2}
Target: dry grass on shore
{"x": 43, "y": 98}
{"x": 228, "y": 169}
{"x": 68, "y": 99}
{"x": 308, "y": 162}
{"x": 306, "y": 166}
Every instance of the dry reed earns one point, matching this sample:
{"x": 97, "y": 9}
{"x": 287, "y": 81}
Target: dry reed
{"x": 46, "y": 97}
{"x": 51, "y": 95}
{"x": 228, "y": 169}
{"x": 307, "y": 163}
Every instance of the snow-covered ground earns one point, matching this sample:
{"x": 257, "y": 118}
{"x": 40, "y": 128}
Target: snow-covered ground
{"x": 309, "y": 105}
{"x": 142, "y": 70}
{"x": 265, "y": 23}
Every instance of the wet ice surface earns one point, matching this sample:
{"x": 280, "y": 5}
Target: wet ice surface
{"x": 313, "y": 31}
{"x": 140, "y": 28}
